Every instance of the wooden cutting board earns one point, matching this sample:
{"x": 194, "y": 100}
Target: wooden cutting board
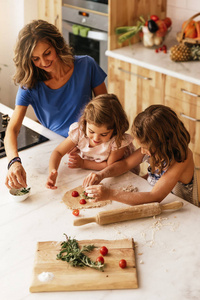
{"x": 68, "y": 278}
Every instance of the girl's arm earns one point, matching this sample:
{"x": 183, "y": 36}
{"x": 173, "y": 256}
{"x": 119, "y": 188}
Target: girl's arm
{"x": 16, "y": 176}
{"x": 161, "y": 189}
{"x": 116, "y": 169}
{"x": 65, "y": 147}
{"x": 75, "y": 161}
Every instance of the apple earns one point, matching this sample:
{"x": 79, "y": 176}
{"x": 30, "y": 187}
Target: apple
{"x": 162, "y": 28}
{"x": 168, "y": 22}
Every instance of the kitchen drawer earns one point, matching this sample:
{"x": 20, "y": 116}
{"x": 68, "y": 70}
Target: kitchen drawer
{"x": 182, "y": 90}
{"x": 190, "y": 116}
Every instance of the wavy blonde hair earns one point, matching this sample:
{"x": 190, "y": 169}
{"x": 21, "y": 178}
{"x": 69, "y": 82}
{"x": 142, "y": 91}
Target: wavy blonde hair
{"x": 27, "y": 74}
{"x": 106, "y": 110}
{"x": 159, "y": 128}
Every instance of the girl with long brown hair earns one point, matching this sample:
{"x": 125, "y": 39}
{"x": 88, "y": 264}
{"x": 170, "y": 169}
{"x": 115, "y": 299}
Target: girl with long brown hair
{"x": 99, "y": 137}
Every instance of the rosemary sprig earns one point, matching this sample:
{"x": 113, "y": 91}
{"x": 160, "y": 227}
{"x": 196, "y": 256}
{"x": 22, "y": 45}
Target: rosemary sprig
{"x": 71, "y": 253}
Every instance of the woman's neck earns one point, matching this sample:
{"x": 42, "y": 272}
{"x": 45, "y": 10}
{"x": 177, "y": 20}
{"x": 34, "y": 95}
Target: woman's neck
{"x": 60, "y": 76}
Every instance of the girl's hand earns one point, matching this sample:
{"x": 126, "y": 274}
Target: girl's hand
{"x": 16, "y": 176}
{"x": 75, "y": 161}
{"x": 92, "y": 178}
{"x": 98, "y": 192}
{"x": 51, "y": 180}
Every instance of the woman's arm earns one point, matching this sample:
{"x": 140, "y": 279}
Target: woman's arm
{"x": 16, "y": 176}
{"x": 116, "y": 169}
{"x": 100, "y": 89}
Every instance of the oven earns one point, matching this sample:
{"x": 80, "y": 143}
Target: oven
{"x": 85, "y": 28}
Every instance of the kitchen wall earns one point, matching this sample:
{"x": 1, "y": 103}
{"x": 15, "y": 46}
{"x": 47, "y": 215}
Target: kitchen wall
{"x": 15, "y": 13}
{"x": 182, "y": 10}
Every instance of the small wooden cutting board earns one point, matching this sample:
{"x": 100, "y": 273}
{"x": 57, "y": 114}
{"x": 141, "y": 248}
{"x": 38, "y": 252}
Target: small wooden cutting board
{"x": 68, "y": 278}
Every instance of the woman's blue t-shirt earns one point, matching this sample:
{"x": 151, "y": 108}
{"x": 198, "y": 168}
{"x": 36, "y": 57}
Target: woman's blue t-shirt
{"x": 58, "y": 109}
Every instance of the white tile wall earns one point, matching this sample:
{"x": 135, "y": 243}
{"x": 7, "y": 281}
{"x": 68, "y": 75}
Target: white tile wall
{"x": 181, "y": 10}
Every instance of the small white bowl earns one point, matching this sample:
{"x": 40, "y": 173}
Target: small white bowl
{"x": 18, "y": 198}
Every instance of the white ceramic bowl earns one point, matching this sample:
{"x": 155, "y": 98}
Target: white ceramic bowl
{"x": 18, "y": 198}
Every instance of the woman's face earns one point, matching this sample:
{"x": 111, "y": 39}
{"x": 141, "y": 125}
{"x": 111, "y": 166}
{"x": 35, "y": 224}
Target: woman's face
{"x": 98, "y": 134}
{"x": 44, "y": 56}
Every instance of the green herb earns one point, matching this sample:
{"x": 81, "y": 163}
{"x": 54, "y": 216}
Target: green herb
{"x": 71, "y": 253}
{"x": 22, "y": 191}
{"x": 85, "y": 196}
{"x": 127, "y": 32}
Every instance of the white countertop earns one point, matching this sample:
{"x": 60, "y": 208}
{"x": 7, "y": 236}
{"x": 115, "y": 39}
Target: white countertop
{"x": 160, "y": 62}
{"x": 167, "y": 246}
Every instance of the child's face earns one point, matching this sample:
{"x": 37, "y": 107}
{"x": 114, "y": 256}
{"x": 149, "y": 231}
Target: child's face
{"x": 144, "y": 148}
{"x": 98, "y": 135}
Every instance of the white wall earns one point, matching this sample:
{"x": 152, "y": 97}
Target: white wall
{"x": 180, "y": 11}
{"x": 14, "y": 14}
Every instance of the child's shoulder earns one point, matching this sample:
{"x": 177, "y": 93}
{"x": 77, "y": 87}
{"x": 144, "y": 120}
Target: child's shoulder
{"x": 127, "y": 139}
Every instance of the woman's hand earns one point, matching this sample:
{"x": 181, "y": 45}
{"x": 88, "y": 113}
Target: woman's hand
{"x": 92, "y": 178}
{"x": 98, "y": 192}
{"x": 51, "y": 180}
{"x": 16, "y": 176}
{"x": 74, "y": 160}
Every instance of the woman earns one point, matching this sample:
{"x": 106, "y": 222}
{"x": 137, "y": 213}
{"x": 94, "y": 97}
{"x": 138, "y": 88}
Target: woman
{"x": 52, "y": 80}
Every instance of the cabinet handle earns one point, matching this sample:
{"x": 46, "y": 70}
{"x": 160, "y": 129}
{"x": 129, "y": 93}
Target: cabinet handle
{"x": 189, "y": 93}
{"x": 190, "y": 118}
{"x": 197, "y": 168}
{"x": 135, "y": 74}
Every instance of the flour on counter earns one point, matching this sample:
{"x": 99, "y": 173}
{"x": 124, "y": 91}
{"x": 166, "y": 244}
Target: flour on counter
{"x": 45, "y": 276}
{"x": 130, "y": 188}
{"x": 157, "y": 225}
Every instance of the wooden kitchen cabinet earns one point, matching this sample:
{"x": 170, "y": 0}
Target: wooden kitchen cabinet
{"x": 136, "y": 87}
{"x": 51, "y": 11}
{"x": 184, "y": 98}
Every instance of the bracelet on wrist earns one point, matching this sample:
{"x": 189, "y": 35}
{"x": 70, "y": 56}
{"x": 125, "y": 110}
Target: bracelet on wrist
{"x": 15, "y": 159}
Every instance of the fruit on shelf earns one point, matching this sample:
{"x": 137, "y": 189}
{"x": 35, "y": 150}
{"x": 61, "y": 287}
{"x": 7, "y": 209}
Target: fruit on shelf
{"x": 154, "y": 18}
{"x": 180, "y": 53}
{"x": 190, "y": 30}
{"x": 162, "y": 28}
{"x": 168, "y": 22}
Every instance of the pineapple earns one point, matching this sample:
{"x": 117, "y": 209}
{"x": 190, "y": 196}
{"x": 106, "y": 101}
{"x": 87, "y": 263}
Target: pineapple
{"x": 180, "y": 53}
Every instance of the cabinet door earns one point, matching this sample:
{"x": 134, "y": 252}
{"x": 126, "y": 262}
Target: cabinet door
{"x": 190, "y": 116}
{"x": 136, "y": 87}
{"x": 51, "y": 11}
{"x": 184, "y": 98}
